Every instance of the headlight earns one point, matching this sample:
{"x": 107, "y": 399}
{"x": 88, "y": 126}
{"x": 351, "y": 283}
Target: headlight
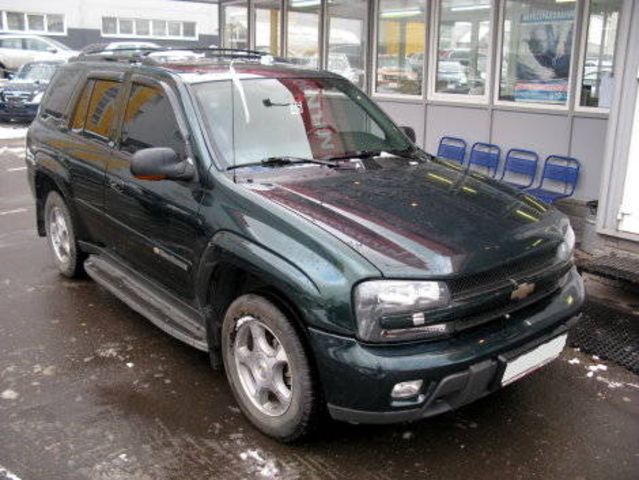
{"x": 37, "y": 98}
{"x": 395, "y": 310}
{"x": 567, "y": 247}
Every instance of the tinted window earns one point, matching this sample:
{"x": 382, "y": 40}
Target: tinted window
{"x": 102, "y": 111}
{"x": 80, "y": 112}
{"x": 60, "y": 90}
{"x": 149, "y": 121}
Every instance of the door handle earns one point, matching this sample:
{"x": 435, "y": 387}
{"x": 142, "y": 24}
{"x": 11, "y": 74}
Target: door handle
{"x": 117, "y": 185}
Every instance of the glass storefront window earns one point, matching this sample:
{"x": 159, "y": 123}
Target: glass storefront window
{"x": 401, "y": 43}
{"x": 537, "y": 47}
{"x": 597, "y": 81}
{"x": 463, "y": 47}
{"x": 347, "y": 35}
{"x": 267, "y": 26}
{"x": 302, "y": 33}
{"x": 235, "y": 14}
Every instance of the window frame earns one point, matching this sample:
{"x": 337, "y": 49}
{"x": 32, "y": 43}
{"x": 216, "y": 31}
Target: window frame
{"x": 176, "y": 106}
{"x": 583, "y": 45}
{"x": 574, "y": 54}
{"x": 75, "y": 99}
{"x": 25, "y": 15}
{"x": 373, "y": 51}
{"x": 108, "y": 139}
{"x": 436, "y": 96}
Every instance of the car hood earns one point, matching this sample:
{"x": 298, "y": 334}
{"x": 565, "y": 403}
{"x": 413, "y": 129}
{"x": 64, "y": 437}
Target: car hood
{"x": 428, "y": 220}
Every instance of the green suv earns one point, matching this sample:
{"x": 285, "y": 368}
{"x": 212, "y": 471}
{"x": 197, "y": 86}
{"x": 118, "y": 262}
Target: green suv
{"x": 277, "y": 219}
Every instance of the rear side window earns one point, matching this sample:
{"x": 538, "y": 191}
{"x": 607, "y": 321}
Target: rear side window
{"x": 80, "y": 111}
{"x": 59, "y": 92}
{"x": 149, "y": 121}
{"x": 15, "y": 43}
{"x": 101, "y": 110}
{"x": 35, "y": 44}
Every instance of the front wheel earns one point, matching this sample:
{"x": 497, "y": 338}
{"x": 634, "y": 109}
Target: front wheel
{"x": 267, "y": 368}
{"x": 61, "y": 235}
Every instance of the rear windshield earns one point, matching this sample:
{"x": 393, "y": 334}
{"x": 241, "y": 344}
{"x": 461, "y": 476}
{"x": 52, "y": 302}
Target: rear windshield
{"x": 37, "y": 72}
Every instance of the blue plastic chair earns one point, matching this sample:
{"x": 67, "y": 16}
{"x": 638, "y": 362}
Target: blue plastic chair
{"x": 522, "y": 164}
{"x": 452, "y": 148}
{"x": 558, "y": 179}
{"x": 485, "y": 155}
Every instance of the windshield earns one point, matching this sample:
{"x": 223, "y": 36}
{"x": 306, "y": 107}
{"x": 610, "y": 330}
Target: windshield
{"x": 319, "y": 118}
{"x": 37, "y": 71}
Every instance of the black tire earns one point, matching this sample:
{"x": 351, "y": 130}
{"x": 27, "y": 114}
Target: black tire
{"x": 302, "y": 413}
{"x": 70, "y": 266}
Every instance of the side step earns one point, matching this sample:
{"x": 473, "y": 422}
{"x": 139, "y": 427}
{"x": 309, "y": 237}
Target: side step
{"x": 148, "y": 300}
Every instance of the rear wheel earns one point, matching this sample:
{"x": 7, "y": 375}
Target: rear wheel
{"x": 61, "y": 236}
{"x": 267, "y": 368}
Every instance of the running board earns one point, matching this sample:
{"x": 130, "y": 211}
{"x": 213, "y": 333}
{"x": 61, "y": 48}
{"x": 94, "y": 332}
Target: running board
{"x": 147, "y": 300}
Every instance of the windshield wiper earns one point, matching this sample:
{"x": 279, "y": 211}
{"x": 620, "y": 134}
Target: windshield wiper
{"x": 356, "y": 154}
{"x": 405, "y": 153}
{"x": 282, "y": 162}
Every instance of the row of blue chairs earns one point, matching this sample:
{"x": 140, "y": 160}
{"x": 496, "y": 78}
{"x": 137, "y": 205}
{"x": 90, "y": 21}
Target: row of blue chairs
{"x": 558, "y": 178}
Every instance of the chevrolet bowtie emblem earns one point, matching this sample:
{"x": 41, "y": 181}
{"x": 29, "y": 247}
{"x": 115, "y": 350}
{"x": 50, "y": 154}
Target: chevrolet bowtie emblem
{"x": 522, "y": 291}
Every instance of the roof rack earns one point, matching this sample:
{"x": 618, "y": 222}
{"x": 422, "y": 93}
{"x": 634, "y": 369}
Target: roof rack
{"x": 143, "y": 54}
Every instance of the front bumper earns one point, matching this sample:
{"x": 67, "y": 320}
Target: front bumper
{"x": 26, "y": 111}
{"x": 358, "y": 378}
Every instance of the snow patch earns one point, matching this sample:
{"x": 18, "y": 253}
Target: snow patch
{"x": 597, "y": 368}
{"x": 265, "y": 468}
{"x": 8, "y": 133}
{"x": 611, "y": 384}
{"x": 9, "y": 394}
{"x": 574, "y": 361}
{"x": 7, "y": 474}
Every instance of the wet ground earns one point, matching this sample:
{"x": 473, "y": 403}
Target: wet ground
{"x": 90, "y": 390}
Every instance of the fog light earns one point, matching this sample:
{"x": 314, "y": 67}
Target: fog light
{"x": 404, "y": 390}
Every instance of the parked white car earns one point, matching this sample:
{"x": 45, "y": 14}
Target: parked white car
{"x": 120, "y": 48}
{"x": 16, "y": 50}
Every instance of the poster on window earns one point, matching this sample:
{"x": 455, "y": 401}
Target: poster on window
{"x": 543, "y": 55}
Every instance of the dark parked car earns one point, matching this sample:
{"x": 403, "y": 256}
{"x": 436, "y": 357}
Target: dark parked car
{"x": 277, "y": 219}
{"x": 20, "y": 97}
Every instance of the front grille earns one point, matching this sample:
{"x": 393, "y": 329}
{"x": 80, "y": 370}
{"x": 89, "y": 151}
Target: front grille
{"x": 17, "y": 97}
{"x": 490, "y": 280}
{"x": 485, "y": 297}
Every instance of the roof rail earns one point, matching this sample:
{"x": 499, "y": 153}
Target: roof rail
{"x": 142, "y": 52}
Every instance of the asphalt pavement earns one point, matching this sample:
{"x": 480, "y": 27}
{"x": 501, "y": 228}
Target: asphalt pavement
{"x": 91, "y": 390}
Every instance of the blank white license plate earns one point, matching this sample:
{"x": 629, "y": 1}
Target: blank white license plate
{"x": 533, "y": 360}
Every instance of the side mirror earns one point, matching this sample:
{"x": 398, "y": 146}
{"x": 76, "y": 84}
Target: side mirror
{"x": 160, "y": 164}
{"x": 409, "y": 132}
{"x": 52, "y": 50}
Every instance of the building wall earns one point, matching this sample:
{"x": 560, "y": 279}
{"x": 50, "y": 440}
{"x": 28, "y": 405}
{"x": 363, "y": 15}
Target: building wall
{"x": 83, "y": 18}
{"x": 579, "y": 136}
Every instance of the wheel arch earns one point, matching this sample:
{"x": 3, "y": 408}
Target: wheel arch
{"x": 232, "y": 266}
